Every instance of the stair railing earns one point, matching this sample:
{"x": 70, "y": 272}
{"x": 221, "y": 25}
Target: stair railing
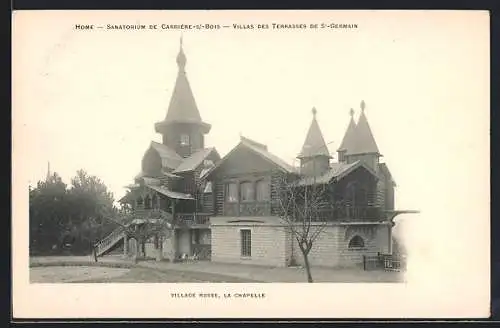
{"x": 104, "y": 244}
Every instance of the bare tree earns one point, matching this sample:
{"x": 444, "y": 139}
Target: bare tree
{"x": 304, "y": 206}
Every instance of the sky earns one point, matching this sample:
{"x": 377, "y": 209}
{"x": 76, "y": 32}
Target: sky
{"x": 89, "y": 99}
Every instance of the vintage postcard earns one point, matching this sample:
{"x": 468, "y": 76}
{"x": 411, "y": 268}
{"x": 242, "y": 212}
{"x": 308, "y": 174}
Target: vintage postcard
{"x": 250, "y": 164}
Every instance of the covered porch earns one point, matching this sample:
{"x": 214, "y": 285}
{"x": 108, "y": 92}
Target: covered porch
{"x": 189, "y": 236}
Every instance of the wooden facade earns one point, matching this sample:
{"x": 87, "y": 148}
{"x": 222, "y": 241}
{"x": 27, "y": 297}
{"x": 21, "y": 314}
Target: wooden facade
{"x": 356, "y": 193}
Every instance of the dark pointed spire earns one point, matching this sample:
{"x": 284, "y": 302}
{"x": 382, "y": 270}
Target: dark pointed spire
{"x": 364, "y": 142}
{"x": 314, "y": 145}
{"x": 182, "y": 107}
{"x": 348, "y": 140}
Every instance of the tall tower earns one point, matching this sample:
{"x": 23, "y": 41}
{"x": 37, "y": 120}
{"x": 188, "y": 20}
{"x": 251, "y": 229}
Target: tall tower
{"x": 314, "y": 157}
{"x": 348, "y": 140}
{"x": 362, "y": 145}
{"x": 183, "y": 129}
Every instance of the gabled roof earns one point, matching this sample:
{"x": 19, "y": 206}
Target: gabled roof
{"x": 363, "y": 141}
{"x": 262, "y": 151}
{"x": 169, "y": 193}
{"x": 337, "y": 171}
{"x": 182, "y": 107}
{"x": 206, "y": 170}
{"x": 314, "y": 145}
{"x": 169, "y": 158}
{"x": 348, "y": 140}
{"x": 259, "y": 149}
{"x": 253, "y": 143}
{"x": 196, "y": 159}
{"x": 163, "y": 172}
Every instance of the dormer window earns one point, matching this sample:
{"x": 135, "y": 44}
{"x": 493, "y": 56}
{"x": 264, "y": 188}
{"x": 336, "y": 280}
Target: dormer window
{"x": 184, "y": 139}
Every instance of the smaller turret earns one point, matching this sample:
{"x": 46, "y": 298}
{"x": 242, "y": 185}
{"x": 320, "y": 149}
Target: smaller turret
{"x": 314, "y": 157}
{"x": 348, "y": 140}
{"x": 362, "y": 146}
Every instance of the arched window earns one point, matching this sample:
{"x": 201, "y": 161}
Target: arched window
{"x": 140, "y": 201}
{"x": 263, "y": 190}
{"x": 247, "y": 191}
{"x": 356, "y": 242}
{"x": 154, "y": 200}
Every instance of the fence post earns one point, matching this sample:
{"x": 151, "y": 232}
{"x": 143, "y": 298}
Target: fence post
{"x": 364, "y": 262}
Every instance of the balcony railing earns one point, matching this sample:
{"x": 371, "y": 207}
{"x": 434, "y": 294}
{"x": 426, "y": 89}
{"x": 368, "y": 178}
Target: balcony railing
{"x": 347, "y": 213}
{"x": 181, "y": 219}
{"x": 189, "y": 219}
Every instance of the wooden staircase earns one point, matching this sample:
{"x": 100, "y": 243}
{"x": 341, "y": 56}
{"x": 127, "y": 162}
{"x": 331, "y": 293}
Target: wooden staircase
{"x": 118, "y": 234}
{"x": 109, "y": 241}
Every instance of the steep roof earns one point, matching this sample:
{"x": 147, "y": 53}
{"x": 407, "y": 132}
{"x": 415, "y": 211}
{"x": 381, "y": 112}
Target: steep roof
{"x": 253, "y": 142}
{"x": 337, "y": 171}
{"x": 169, "y": 193}
{"x": 258, "y": 148}
{"x": 363, "y": 141}
{"x": 314, "y": 145}
{"x": 348, "y": 140}
{"x": 169, "y": 158}
{"x": 182, "y": 107}
{"x": 192, "y": 162}
{"x": 266, "y": 154}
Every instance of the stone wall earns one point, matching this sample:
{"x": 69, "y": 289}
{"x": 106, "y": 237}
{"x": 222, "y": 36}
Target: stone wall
{"x": 268, "y": 240}
{"x": 331, "y": 248}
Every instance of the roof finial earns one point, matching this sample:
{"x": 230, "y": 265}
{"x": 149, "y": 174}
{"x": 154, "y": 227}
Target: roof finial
{"x": 363, "y": 105}
{"x": 314, "y": 111}
{"x": 351, "y": 112}
{"x": 181, "y": 58}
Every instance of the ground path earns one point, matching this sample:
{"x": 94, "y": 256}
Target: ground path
{"x": 219, "y": 272}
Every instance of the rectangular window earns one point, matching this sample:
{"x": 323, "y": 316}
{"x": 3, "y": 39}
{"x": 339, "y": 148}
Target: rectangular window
{"x": 184, "y": 139}
{"x": 247, "y": 191}
{"x": 246, "y": 243}
{"x": 263, "y": 192}
{"x": 232, "y": 192}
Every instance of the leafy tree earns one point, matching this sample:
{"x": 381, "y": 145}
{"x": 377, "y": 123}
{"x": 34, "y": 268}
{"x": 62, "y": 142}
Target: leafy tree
{"x": 90, "y": 200}
{"x": 61, "y": 217}
{"x": 48, "y": 209}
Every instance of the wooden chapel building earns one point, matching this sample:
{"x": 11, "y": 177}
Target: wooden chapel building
{"x": 227, "y": 209}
